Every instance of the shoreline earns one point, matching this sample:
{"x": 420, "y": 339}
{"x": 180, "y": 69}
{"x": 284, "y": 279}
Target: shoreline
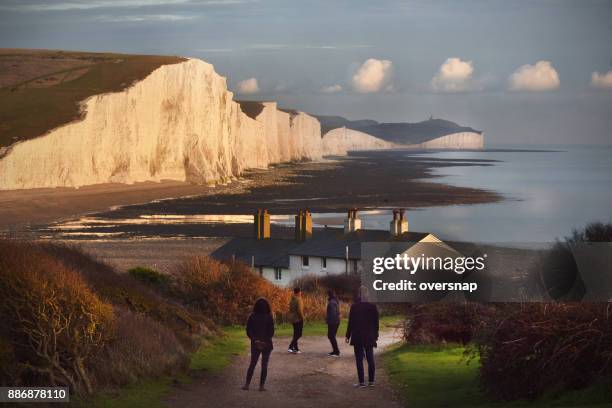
{"x": 366, "y": 180}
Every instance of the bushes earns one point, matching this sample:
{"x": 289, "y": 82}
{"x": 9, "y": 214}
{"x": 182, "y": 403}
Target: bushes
{"x": 71, "y": 320}
{"x": 558, "y": 271}
{"x": 444, "y": 322}
{"x": 141, "y": 348}
{"x": 528, "y": 349}
{"x": 124, "y": 290}
{"x": 225, "y": 292}
{"x": 52, "y": 318}
{"x": 343, "y": 285}
{"x": 524, "y": 349}
{"x": 150, "y": 276}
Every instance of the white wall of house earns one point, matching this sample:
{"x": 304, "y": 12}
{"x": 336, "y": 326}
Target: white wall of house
{"x": 278, "y": 276}
{"x": 333, "y": 266}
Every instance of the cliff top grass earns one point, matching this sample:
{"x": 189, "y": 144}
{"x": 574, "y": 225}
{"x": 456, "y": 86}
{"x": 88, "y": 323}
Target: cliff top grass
{"x": 42, "y": 89}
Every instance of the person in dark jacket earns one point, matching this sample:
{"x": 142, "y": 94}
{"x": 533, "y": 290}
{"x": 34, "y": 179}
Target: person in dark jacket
{"x": 260, "y": 329}
{"x": 332, "y": 319}
{"x": 362, "y": 333}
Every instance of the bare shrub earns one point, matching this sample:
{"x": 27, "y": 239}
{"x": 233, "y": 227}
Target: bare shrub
{"x": 452, "y": 322}
{"x": 344, "y": 285}
{"x": 52, "y": 318}
{"x": 140, "y": 348}
{"x": 528, "y": 349}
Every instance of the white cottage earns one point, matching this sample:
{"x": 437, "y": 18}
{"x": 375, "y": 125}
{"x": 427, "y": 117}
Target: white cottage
{"x": 318, "y": 252}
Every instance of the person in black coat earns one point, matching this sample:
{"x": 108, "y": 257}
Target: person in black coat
{"x": 332, "y": 318}
{"x": 260, "y": 329}
{"x": 362, "y": 333}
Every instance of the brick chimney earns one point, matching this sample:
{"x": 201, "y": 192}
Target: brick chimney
{"x": 262, "y": 224}
{"x": 399, "y": 223}
{"x": 352, "y": 223}
{"x": 303, "y": 225}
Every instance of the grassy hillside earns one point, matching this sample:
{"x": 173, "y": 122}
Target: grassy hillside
{"x": 42, "y": 89}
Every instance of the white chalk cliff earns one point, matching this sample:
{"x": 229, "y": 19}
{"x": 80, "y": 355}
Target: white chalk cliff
{"x": 179, "y": 123}
{"x": 460, "y": 140}
{"x": 342, "y": 140}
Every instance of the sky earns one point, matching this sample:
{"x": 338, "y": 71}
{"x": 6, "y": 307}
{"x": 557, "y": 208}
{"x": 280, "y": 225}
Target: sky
{"x": 525, "y": 72}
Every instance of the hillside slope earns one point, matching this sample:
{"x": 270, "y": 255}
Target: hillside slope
{"x": 43, "y": 89}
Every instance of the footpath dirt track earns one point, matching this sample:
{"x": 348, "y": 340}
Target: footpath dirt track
{"x": 310, "y": 379}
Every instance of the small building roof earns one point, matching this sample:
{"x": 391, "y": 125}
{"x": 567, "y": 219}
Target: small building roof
{"x": 265, "y": 252}
{"x": 326, "y": 242}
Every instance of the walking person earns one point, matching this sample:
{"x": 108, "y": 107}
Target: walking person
{"x": 332, "y": 319}
{"x": 362, "y": 333}
{"x": 296, "y": 317}
{"x": 260, "y": 329}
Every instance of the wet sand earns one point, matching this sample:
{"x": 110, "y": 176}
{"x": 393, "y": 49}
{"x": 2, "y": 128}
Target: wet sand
{"x": 364, "y": 180}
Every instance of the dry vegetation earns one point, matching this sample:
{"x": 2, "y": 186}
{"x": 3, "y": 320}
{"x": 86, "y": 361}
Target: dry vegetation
{"x": 71, "y": 320}
{"x": 42, "y": 89}
{"x": 527, "y": 350}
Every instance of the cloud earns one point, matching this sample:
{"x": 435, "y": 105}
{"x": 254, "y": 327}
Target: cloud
{"x": 539, "y": 77}
{"x": 373, "y": 76}
{"x": 144, "y": 17}
{"x": 601, "y": 81}
{"x": 294, "y": 47}
{"x": 248, "y": 86}
{"x": 454, "y": 75}
{"x": 95, "y": 4}
{"x": 331, "y": 89}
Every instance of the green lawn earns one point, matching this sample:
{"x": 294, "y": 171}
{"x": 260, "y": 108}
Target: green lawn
{"x": 428, "y": 376}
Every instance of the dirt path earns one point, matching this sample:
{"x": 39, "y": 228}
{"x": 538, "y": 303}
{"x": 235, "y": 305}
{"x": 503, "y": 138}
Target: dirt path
{"x": 310, "y": 379}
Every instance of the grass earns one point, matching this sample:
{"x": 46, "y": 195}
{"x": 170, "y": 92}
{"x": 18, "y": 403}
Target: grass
{"x": 428, "y": 376}
{"x": 148, "y": 394}
{"x": 30, "y": 112}
{"x": 212, "y": 357}
{"x": 215, "y": 354}
{"x": 319, "y": 328}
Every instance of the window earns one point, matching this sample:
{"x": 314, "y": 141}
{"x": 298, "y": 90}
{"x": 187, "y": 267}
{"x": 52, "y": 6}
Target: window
{"x": 305, "y": 261}
{"x": 324, "y": 262}
{"x": 278, "y": 274}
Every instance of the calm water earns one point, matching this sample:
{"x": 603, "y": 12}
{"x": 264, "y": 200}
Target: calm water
{"x": 548, "y": 194}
